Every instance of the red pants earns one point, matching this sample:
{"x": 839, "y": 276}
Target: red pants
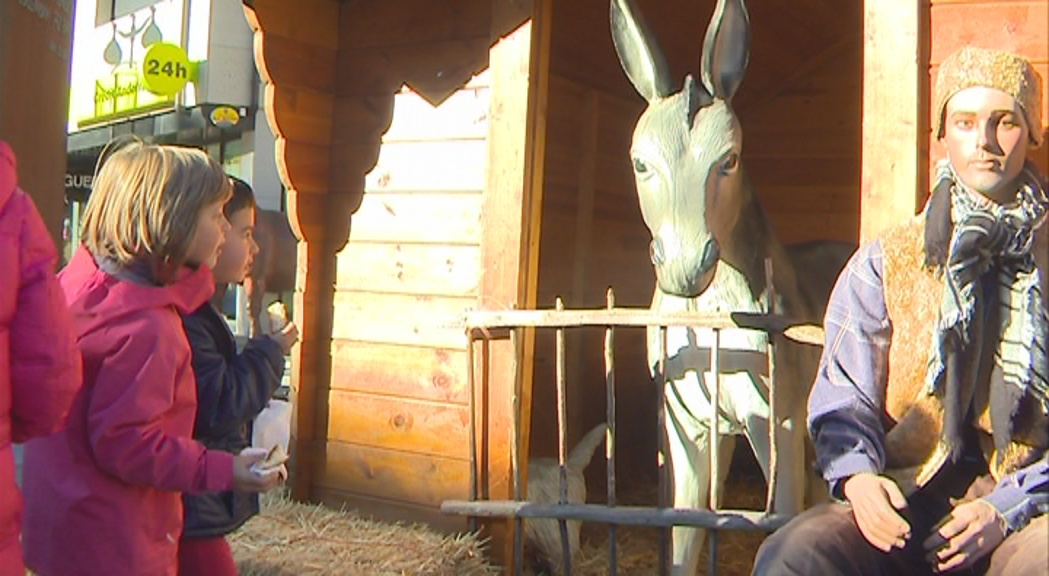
{"x": 205, "y": 557}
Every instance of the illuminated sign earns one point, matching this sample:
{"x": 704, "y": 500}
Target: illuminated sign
{"x": 166, "y": 69}
{"x": 122, "y": 94}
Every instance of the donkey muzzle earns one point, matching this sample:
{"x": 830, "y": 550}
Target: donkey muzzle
{"x": 684, "y": 274}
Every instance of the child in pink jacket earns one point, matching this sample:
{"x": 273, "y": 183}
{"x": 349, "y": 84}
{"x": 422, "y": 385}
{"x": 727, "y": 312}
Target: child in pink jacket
{"x": 39, "y": 364}
{"x": 103, "y": 497}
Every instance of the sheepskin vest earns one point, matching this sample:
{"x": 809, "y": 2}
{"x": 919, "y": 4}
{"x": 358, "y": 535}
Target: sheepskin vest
{"x": 913, "y": 447}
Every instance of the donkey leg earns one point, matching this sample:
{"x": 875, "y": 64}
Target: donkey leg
{"x": 690, "y": 473}
{"x": 688, "y": 446}
{"x": 790, "y": 483}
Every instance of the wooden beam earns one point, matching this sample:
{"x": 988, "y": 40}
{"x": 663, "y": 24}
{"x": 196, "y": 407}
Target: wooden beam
{"x": 519, "y": 64}
{"x": 294, "y": 48}
{"x": 895, "y": 117}
{"x": 576, "y": 367}
{"x": 769, "y": 93}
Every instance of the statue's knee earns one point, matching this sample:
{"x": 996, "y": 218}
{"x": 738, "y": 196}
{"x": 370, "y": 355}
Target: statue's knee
{"x": 773, "y": 552}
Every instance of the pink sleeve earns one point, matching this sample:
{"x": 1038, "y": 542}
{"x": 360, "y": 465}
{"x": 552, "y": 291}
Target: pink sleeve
{"x": 45, "y": 363}
{"x": 129, "y": 413}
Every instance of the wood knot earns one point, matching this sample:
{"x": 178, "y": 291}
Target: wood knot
{"x": 401, "y": 422}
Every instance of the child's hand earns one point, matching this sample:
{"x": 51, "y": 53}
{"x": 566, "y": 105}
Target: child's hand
{"x": 246, "y": 480}
{"x": 286, "y": 337}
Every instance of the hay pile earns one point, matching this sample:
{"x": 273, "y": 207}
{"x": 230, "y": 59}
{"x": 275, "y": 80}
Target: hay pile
{"x": 290, "y": 538}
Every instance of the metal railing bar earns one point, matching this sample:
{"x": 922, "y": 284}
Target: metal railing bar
{"x": 515, "y": 456}
{"x": 714, "y": 437}
{"x": 663, "y": 459}
{"x": 486, "y": 373}
{"x": 610, "y": 434}
{"x": 773, "y": 417}
{"x": 725, "y": 519}
{"x": 562, "y": 440}
{"x": 471, "y": 384}
{"x": 604, "y": 317}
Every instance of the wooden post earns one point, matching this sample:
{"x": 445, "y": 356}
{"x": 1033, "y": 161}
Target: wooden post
{"x": 295, "y": 47}
{"x": 895, "y": 117}
{"x": 518, "y": 61}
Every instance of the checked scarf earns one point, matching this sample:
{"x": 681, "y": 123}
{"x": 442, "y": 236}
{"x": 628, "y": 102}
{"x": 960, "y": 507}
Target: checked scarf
{"x": 992, "y": 306}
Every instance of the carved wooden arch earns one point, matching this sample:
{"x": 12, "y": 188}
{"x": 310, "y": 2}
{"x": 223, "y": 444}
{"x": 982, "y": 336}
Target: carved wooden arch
{"x": 330, "y": 72}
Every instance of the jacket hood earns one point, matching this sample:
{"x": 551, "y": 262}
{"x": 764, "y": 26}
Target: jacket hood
{"x": 94, "y": 294}
{"x": 8, "y": 173}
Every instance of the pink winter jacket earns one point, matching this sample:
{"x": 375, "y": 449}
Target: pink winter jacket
{"x": 39, "y": 363}
{"x": 103, "y": 496}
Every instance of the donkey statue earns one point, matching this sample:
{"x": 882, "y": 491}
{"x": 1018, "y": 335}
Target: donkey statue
{"x": 710, "y": 240}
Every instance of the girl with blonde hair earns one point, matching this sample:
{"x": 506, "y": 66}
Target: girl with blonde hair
{"x": 103, "y": 496}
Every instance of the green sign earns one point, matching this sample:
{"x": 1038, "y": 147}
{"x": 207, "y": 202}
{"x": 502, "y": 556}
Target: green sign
{"x": 122, "y": 94}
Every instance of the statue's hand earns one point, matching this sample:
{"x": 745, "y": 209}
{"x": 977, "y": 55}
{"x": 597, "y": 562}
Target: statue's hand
{"x": 875, "y": 500}
{"x": 971, "y": 531}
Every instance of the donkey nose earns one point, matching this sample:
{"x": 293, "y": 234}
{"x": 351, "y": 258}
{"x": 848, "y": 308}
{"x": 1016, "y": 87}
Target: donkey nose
{"x": 656, "y": 252}
{"x": 711, "y": 253}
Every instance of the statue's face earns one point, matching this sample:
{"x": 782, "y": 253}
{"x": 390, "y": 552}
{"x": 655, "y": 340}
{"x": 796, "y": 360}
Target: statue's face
{"x": 986, "y": 138}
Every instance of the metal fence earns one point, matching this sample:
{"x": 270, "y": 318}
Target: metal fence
{"x": 486, "y": 326}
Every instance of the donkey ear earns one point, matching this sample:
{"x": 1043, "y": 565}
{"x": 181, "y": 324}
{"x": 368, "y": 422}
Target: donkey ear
{"x": 726, "y": 48}
{"x": 638, "y": 52}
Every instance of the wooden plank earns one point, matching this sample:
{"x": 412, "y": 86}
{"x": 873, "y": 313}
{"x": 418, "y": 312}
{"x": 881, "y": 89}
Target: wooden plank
{"x": 403, "y": 424}
{"x": 463, "y": 116}
{"x": 435, "y": 374}
{"x": 419, "y": 218}
{"x": 774, "y": 171}
{"x": 389, "y": 511}
{"x": 294, "y": 62}
{"x": 299, "y": 114}
{"x": 519, "y": 59}
{"x": 428, "y": 321}
{"x": 894, "y": 117}
{"x": 311, "y": 364}
{"x": 589, "y": 131}
{"x": 1015, "y": 26}
{"x": 394, "y": 475}
{"x": 422, "y": 269}
{"x": 312, "y": 21}
{"x": 384, "y": 23}
{"x": 1018, "y": 27}
{"x": 434, "y": 69}
{"x": 823, "y": 144}
{"x": 782, "y": 202}
{"x": 445, "y": 165}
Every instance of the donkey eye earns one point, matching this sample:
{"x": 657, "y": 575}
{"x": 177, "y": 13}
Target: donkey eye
{"x": 730, "y": 163}
{"x": 639, "y": 166}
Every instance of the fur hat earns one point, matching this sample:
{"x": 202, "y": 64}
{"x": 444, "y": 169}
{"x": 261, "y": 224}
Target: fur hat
{"x": 1004, "y": 71}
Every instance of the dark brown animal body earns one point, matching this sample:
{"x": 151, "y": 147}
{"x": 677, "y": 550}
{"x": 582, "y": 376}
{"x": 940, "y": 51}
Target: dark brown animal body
{"x": 274, "y": 267}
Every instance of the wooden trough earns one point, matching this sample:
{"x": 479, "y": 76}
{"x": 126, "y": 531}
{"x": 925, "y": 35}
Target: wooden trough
{"x": 448, "y": 155}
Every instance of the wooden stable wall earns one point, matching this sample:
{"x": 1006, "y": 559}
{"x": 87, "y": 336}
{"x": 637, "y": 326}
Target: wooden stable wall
{"x": 379, "y": 113}
{"x": 399, "y": 391}
{"x": 800, "y": 110}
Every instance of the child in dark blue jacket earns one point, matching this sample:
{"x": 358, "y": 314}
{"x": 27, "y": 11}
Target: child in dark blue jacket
{"x": 232, "y": 389}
